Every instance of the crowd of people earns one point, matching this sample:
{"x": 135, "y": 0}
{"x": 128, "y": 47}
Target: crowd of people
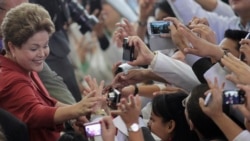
{"x": 62, "y": 68}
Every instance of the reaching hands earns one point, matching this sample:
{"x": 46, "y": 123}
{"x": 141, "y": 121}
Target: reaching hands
{"x": 146, "y": 7}
{"x": 143, "y": 55}
{"x": 245, "y": 49}
{"x": 240, "y": 70}
{"x": 87, "y": 104}
{"x": 214, "y": 107}
{"x": 179, "y": 40}
{"x": 129, "y": 110}
{"x": 200, "y": 26}
{"x": 132, "y": 77}
{"x": 108, "y": 129}
{"x": 124, "y": 29}
{"x": 204, "y": 32}
{"x": 97, "y": 89}
{"x": 199, "y": 46}
{"x": 169, "y": 90}
{"x": 245, "y": 108}
{"x": 196, "y": 20}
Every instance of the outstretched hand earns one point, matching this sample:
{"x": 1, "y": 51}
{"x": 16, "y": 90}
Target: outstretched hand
{"x": 240, "y": 69}
{"x": 214, "y": 108}
{"x": 129, "y": 110}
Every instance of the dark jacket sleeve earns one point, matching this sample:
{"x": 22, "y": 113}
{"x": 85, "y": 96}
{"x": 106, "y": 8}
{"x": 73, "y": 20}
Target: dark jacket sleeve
{"x": 200, "y": 67}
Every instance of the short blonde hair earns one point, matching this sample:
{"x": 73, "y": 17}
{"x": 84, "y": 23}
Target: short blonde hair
{"x": 23, "y": 21}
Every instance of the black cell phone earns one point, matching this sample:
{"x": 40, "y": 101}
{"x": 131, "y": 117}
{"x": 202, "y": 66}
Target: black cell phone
{"x": 233, "y": 97}
{"x": 128, "y": 51}
{"x": 95, "y": 4}
{"x": 92, "y": 129}
{"x": 159, "y": 27}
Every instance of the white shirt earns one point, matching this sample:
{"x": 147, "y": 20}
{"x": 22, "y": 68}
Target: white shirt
{"x": 243, "y": 136}
{"x": 174, "y": 71}
{"x": 187, "y": 9}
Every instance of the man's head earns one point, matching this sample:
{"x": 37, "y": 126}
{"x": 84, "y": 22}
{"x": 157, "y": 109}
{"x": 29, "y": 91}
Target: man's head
{"x": 231, "y": 41}
{"x": 240, "y": 7}
{"x": 6, "y": 5}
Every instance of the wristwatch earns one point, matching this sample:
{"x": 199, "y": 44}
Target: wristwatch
{"x": 134, "y": 127}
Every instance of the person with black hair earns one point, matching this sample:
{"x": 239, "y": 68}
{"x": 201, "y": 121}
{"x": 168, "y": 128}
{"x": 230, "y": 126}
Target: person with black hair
{"x": 231, "y": 41}
{"x": 168, "y": 120}
{"x": 72, "y": 136}
{"x": 198, "y": 120}
{"x": 59, "y": 46}
{"x": 26, "y": 30}
{"x": 12, "y": 128}
{"x": 214, "y": 110}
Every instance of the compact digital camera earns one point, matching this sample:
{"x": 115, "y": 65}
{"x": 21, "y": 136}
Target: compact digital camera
{"x": 113, "y": 98}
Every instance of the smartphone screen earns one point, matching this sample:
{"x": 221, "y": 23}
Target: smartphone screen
{"x": 233, "y": 97}
{"x": 92, "y": 129}
{"x": 159, "y": 27}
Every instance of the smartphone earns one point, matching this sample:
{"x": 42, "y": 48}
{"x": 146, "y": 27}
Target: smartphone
{"x": 233, "y": 97}
{"x": 159, "y": 27}
{"x": 92, "y": 129}
{"x": 128, "y": 51}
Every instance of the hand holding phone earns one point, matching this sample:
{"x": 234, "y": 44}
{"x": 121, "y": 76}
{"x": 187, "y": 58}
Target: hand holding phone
{"x": 92, "y": 129}
{"x": 128, "y": 51}
{"x": 242, "y": 55}
{"x": 229, "y": 97}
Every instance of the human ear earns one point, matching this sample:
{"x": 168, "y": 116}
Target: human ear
{"x": 171, "y": 126}
{"x": 11, "y": 48}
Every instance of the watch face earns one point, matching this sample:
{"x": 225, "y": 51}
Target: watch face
{"x": 134, "y": 127}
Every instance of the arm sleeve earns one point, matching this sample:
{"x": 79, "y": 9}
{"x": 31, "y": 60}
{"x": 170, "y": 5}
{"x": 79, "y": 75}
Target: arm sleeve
{"x": 31, "y": 108}
{"x": 55, "y": 86}
{"x": 243, "y": 136}
{"x": 174, "y": 71}
{"x": 200, "y": 67}
{"x": 187, "y": 9}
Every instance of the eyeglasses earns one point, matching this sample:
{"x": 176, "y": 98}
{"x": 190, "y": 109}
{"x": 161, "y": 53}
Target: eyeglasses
{"x": 184, "y": 101}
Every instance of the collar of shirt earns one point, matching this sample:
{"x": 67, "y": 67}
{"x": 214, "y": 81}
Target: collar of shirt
{"x": 246, "y": 28}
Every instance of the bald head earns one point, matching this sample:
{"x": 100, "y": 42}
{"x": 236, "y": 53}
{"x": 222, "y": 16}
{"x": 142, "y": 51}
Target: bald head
{"x": 6, "y": 5}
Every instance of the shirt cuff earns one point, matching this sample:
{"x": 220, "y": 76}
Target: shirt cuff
{"x": 153, "y": 62}
{"x": 243, "y": 136}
